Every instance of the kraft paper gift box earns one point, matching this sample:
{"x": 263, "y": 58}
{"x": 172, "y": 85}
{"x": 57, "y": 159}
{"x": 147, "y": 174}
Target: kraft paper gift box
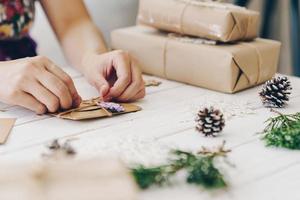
{"x": 222, "y": 67}
{"x": 212, "y": 20}
{"x": 90, "y": 109}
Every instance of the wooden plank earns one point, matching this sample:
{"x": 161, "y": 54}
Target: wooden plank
{"x": 281, "y": 185}
{"x": 167, "y": 122}
{"x": 143, "y": 120}
{"x": 33, "y": 132}
{"x": 163, "y": 100}
{"x": 25, "y": 116}
{"x": 67, "y": 179}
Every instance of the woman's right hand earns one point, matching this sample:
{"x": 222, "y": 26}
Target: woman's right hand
{"x": 38, "y": 84}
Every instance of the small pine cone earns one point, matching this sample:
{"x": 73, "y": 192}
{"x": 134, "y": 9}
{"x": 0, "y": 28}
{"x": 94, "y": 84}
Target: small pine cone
{"x": 275, "y": 92}
{"x": 210, "y": 121}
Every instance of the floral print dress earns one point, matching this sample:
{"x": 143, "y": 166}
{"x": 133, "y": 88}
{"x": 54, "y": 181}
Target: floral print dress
{"x": 16, "y": 18}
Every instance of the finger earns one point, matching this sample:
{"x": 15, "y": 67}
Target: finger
{"x": 44, "y": 96}
{"x": 29, "y": 102}
{"x": 123, "y": 71}
{"x": 57, "y": 71}
{"x": 136, "y": 85}
{"x": 101, "y": 85}
{"x": 141, "y": 94}
{"x": 57, "y": 87}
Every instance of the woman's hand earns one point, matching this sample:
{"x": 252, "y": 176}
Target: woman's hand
{"x": 114, "y": 75}
{"x": 37, "y": 84}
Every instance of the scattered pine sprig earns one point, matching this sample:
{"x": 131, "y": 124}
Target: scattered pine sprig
{"x": 59, "y": 150}
{"x": 200, "y": 169}
{"x": 148, "y": 176}
{"x": 203, "y": 172}
{"x": 283, "y": 131}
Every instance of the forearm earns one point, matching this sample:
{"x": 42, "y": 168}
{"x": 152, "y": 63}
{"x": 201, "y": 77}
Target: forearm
{"x": 112, "y": 73}
{"x": 80, "y": 40}
{"x": 74, "y": 28}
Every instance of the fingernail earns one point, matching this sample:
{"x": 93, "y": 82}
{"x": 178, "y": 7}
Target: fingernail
{"x": 107, "y": 98}
{"x": 103, "y": 90}
{"x": 77, "y": 101}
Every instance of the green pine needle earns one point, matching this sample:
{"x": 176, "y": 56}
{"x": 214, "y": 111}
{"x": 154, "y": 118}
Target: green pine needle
{"x": 203, "y": 172}
{"x": 200, "y": 170}
{"x": 283, "y": 131}
{"x": 145, "y": 177}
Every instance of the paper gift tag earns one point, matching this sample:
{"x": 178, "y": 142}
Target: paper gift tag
{"x": 86, "y": 111}
{"x": 5, "y": 127}
{"x": 152, "y": 83}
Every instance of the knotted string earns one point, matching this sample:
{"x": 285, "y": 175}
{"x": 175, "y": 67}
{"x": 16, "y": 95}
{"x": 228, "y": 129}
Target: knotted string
{"x": 259, "y": 60}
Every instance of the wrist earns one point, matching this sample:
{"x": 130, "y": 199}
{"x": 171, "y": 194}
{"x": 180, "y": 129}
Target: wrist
{"x": 87, "y": 61}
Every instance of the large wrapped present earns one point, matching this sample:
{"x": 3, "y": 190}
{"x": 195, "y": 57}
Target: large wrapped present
{"x": 223, "y": 67}
{"x": 212, "y": 20}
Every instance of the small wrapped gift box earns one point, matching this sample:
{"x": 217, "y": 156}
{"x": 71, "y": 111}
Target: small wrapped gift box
{"x": 94, "y": 109}
{"x": 212, "y": 20}
{"x": 222, "y": 67}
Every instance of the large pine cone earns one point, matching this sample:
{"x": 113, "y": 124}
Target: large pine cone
{"x": 275, "y": 93}
{"x": 210, "y": 121}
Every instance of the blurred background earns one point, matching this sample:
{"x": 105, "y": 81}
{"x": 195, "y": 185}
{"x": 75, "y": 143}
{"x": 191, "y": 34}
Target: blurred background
{"x": 280, "y": 21}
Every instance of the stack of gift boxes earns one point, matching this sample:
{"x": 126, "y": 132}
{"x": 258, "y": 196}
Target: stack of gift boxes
{"x": 203, "y": 43}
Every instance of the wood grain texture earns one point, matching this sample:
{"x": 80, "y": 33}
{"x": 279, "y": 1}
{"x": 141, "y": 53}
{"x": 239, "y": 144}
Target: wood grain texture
{"x": 167, "y": 121}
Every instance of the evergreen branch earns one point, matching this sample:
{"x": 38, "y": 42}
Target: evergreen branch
{"x": 283, "y": 131}
{"x": 200, "y": 170}
{"x": 203, "y": 172}
{"x": 146, "y": 177}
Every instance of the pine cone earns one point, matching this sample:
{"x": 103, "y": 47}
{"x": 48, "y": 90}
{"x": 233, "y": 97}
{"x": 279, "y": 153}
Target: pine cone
{"x": 210, "y": 121}
{"x": 275, "y": 93}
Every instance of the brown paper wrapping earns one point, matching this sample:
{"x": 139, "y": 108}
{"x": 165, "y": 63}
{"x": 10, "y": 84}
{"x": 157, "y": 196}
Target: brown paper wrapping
{"x": 90, "y": 110}
{"x": 224, "y": 67}
{"x": 67, "y": 179}
{"x": 6, "y": 126}
{"x": 212, "y": 20}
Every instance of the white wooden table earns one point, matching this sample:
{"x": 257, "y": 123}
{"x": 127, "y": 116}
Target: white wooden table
{"x": 167, "y": 121}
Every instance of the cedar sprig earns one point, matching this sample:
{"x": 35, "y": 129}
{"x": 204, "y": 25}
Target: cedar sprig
{"x": 148, "y": 176}
{"x": 200, "y": 168}
{"x": 283, "y": 131}
{"x": 203, "y": 172}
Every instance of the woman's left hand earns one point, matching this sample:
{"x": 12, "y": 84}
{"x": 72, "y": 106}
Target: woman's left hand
{"x": 114, "y": 75}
